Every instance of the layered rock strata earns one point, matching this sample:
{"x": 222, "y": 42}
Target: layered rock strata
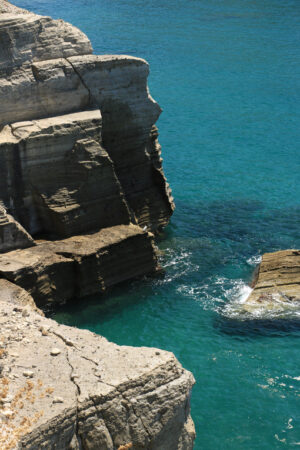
{"x": 54, "y": 272}
{"x": 81, "y": 171}
{"x": 63, "y": 388}
{"x": 80, "y": 162}
{"x": 58, "y": 177}
{"x": 277, "y": 282}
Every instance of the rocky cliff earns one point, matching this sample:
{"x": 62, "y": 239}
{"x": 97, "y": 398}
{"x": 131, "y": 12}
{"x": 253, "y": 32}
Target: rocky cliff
{"x": 78, "y": 149}
{"x": 81, "y": 192}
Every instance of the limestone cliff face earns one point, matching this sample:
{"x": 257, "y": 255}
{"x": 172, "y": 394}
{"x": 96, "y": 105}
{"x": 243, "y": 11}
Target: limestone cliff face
{"x": 78, "y": 144}
{"x": 80, "y": 167}
{"x": 47, "y": 70}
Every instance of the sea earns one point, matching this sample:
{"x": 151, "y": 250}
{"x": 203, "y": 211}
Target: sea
{"x": 227, "y": 75}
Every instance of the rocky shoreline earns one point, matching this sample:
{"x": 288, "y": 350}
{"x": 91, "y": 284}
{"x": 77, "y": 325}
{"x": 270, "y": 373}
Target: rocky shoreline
{"x": 82, "y": 193}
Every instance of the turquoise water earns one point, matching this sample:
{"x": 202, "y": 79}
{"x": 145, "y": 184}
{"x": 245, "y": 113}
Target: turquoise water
{"x": 227, "y": 74}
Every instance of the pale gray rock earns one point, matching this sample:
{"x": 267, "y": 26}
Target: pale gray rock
{"x": 28, "y": 37}
{"x": 47, "y": 88}
{"x": 118, "y": 85}
{"x": 12, "y": 234}
{"x": 56, "y": 76}
{"x": 142, "y": 397}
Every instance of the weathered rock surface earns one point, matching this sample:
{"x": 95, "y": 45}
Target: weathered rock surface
{"x": 54, "y": 272}
{"x": 12, "y": 234}
{"x": 30, "y": 37}
{"x": 65, "y": 388}
{"x": 277, "y": 283}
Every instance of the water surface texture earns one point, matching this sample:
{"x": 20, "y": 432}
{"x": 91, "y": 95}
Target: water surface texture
{"x": 227, "y": 74}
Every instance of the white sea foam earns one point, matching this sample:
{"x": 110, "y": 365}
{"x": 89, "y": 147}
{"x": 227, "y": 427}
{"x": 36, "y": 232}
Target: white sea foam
{"x": 254, "y": 260}
{"x": 216, "y": 292}
{"x": 277, "y": 308}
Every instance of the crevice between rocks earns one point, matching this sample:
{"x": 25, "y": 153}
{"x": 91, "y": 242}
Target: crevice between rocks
{"x": 72, "y": 377}
{"x": 82, "y": 81}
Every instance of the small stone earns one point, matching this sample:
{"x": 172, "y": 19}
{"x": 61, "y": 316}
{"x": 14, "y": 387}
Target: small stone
{"x": 43, "y": 331}
{"x": 25, "y": 313}
{"x": 14, "y": 355}
{"x": 58, "y": 400}
{"x": 7, "y": 399}
{"x": 157, "y": 353}
{"x": 55, "y": 352}
{"x": 8, "y": 413}
{"x": 28, "y": 374}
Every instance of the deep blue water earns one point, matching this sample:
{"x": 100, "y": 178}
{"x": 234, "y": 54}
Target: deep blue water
{"x": 227, "y": 74}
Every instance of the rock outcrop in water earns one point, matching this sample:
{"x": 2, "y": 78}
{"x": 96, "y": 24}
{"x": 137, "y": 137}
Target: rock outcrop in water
{"x": 80, "y": 167}
{"x": 276, "y": 285}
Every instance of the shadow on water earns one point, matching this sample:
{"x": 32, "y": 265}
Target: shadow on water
{"x": 102, "y": 306}
{"x": 242, "y": 221}
{"x": 258, "y": 327}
